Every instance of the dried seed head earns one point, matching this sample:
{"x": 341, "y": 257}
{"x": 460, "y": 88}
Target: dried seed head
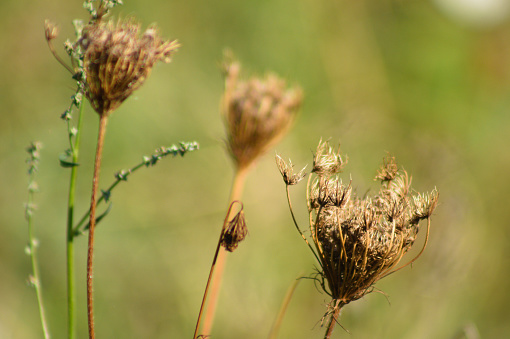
{"x": 326, "y": 161}
{"x": 388, "y": 169}
{"x": 360, "y": 241}
{"x": 50, "y": 30}
{"x": 287, "y": 171}
{"x": 234, "y": 232}
{"x": 258, "y": 112}
{"x": 117, "y": 60}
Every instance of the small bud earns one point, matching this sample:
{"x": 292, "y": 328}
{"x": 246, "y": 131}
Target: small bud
{"x": 50, "y": 30}
{"x": 326, "y": 161}
{"x": 388, "y": 170}
{"x": 235, "y": 231}
{"x": 287, "y": 171}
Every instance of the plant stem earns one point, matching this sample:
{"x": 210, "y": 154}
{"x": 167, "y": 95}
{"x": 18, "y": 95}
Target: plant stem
{"x": 123, "y": 175}
{"x": 215, "y": 280}
{"x": 35, "y": 278}
{"x": 211, "y": 272}
{"x": 71, "y": 319}
{"x": 333, "y": 320}
{"x": 90, "y": 254}
{"x": 283, "y": 309}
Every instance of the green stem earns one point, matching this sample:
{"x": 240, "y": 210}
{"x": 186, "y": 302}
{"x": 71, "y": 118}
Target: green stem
{"x": 35, "y": 279}
{"x": 71, "y": 295}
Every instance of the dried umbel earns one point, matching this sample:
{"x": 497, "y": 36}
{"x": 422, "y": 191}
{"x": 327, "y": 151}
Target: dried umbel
{"x": 117, "y": 59}
{"x": 258, "y": 112}
{"x": 359, "y": 241}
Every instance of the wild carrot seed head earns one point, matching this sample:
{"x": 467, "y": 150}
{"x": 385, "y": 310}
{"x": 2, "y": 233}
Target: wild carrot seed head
{"x": 258, "y": 112}
{"x": 117, "y": 60}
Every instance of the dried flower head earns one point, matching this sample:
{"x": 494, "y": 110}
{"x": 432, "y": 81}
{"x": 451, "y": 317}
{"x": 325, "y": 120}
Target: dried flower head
{"x": 50, "y": 30}
{"x": 358, "y": 241}
{"x": 388, "y": 170}
{"x": 327, "y": 161}
{"x": 258, "y": 112}
{"x": 117, "y": 60}
{"x": 287, "y": 171}
{"x": 234, "y": 232}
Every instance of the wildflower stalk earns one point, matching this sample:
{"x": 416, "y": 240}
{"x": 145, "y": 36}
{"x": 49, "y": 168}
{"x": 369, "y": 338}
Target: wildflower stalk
{"x": 103, "y": 120}
{"x": 31, "y": 249}
{"x": 219, "y": 261}
{"x": 283, "y": 309}
{"x": 333, "y": 321}
{"x": 71, "y": 295}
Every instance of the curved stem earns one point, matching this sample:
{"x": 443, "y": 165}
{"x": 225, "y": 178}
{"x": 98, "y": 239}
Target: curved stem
{"x": 90, "y": 254}
{"x": 235, "y": 194}
{"x": 297, "y": 227}
{"x": 71, "y": 320}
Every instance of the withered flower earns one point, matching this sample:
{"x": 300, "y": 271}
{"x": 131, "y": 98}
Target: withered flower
{"x": 287, "y": 172}
{"x": 235, "y": 232}
{"x": 327, "y": 161}
{"x": 50, "y": 30}
{"x": 258, "y": 112}
{"x": 360, "y": 241}
{"x": 117, "y": 59}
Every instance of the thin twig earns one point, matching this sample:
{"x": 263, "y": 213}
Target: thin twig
{"x": 213, "y": 265}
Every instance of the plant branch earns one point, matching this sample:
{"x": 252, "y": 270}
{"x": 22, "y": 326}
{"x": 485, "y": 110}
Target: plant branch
{"x": 174, "y": 150}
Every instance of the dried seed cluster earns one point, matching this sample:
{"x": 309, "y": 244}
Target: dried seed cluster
{"x": 117, "y": 60}
{"x": 258, "y": 112}
{"x": 359, "y": 241}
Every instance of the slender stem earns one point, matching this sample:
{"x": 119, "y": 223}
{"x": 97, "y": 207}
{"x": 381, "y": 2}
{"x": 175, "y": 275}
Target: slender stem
{"x": 35, "y": 278}
{"x": 71, "y": 295}
{"x": 211, "y": 272}
{"x": 235, "y": 194}
{"x": 90, "y": 254}
{"x": 123, "y": 175}
{"x": 333, "y": 320}
{"x": 283, "y": 309}
{"x": 297, "y": 227}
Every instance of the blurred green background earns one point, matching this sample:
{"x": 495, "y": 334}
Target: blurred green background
{"x": 427, "y": 81}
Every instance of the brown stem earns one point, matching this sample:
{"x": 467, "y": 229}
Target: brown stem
{"x": 90, "y": 255}
{"x": 207, "y": 286}
{"x": 333, "y": 320}
{"x": 235, "y": 194}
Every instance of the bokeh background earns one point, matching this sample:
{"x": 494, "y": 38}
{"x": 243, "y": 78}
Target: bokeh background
{"x": 428, "y": 81}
